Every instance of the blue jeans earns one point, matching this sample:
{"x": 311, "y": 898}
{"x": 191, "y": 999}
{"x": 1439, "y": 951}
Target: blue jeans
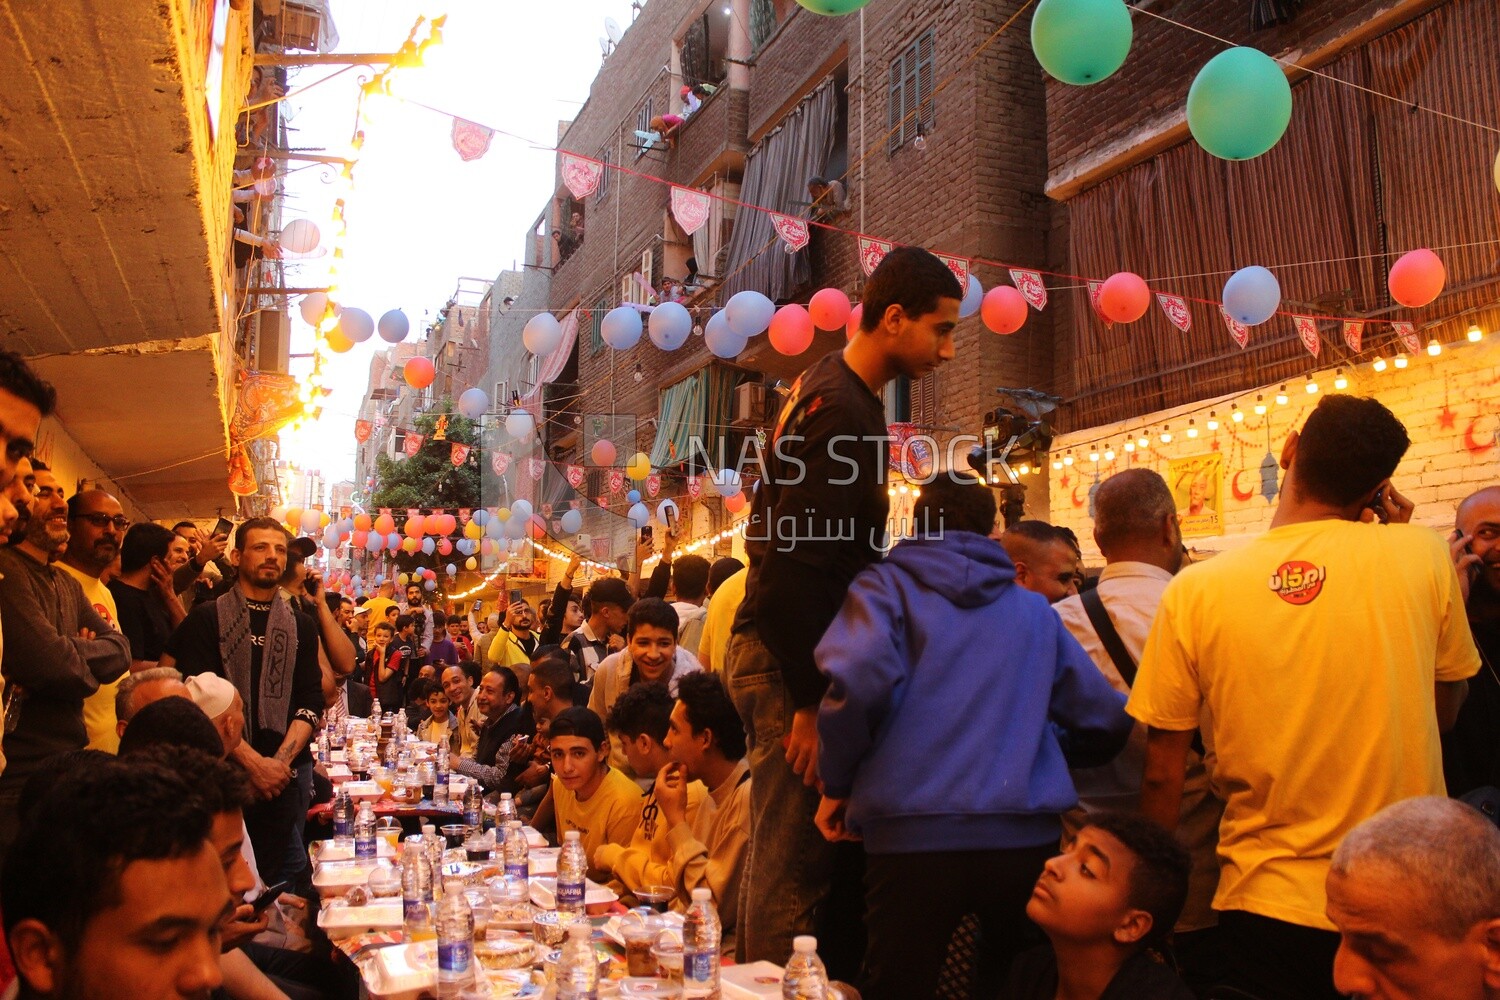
{"x": 276, "y": 825}
{"x": 789, "y": 865}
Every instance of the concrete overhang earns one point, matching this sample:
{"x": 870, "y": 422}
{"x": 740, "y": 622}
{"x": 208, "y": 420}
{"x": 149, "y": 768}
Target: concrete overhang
{"x": 150, "y": 415}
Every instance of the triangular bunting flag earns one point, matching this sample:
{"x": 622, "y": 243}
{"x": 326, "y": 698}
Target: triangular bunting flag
{"x": 1176, "y": 309}
{"x": 616, "y": 480}
{"x": 471, "y": 140}
{"x": 1239, "y": 331}
{"x": 413, "y": 443}
{"x": 1096, "y": 289}
{"x": 499, "y": 461}
{"x": 534, "y": 468}
{"x": 959, "y": 266}
{"x": 793, "y": 232}
{"x": 575, "y": 475}
{"x": 1307, "y": 330}
{"x": 689, "y": 208}
{"x": 580, "y": 174}
{"x": 653, "y": 484}
{"x": 1407, "y": 333}
{"x": 1029, "y": 284}
{"x": 362, "y": 430}
{"x": 872, "y": 252}
{"x": 694, "y": 486}
{"x": 1354, "y": 333}
{"x": 458, "y": 453}
{"x": 603, "y": 501}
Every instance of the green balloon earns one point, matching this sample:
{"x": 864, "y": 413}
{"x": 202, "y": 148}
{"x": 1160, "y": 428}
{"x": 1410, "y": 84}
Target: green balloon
{"x": 1081, "y": 41}
{"x": 1240, "y": 104}
{"x": 833, "y": 7}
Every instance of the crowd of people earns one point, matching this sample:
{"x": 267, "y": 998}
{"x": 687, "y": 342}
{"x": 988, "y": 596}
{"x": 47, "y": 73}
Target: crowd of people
{"x": 967, "y": 766}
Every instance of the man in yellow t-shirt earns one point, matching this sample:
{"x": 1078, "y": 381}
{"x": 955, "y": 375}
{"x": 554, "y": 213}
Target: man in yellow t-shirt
{"x": 376, "y": 607}
{"x": 1329, "y": 653}
{"x": 713, "y": 646}
{"x": 96, "y": 525}
{"x": 587, "y": 794}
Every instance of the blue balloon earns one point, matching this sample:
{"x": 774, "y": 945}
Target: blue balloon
{"x": 393, "y": 541}
{"x": 972, "y": 299}
{"x": 639, "y": 516}
{"x": 1252, "y": 295}
{"x": 379, "y": 579}
{"x": 450, "y": 569}
{"x": 520, "y": 509}
{"x": 473, "y": 403}
{"x": 749, "y": 313}
{"x": 670, "y": 325}
{"x": 634, "y": 496}
{"x": 621, "y": 328}
{"x": 430, "y": 585}
{"x": 481, "y": 516}
{"x": 428, "y": 545}
{"x": 721, "y": 338}
{"x": 495, "y": 528}
{"x": 572, "y": 521}
{"x": 374, "y": 543}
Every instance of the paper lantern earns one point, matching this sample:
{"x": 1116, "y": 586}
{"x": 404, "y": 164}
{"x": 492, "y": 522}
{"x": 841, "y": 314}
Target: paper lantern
{"x": 356, "y": 324}
{"x": 639, "y": 466}
{"x": 829, "y": 309}
{"x": 603, "y": 452}
{"x": 666, "y": 512}
{"x": 972, "y": 300}
{"x": 735, "y": 504}
{"x": 1417, "y": 278}
{"x": 720, "y": 338}
{"x": 749, "y": 313}
{"x": 419, "y": 372}
{"x": 385, "y": 524}
{"x": 473, "y": 403}
{"x": 394, "y": 326}
{"x": 856, "y": 315}
{"x": 471, "y": 563}
{"x": 621, "y": 328}
{"x": 670, "y": 325}
{"x": 639, "y": 516}
{"x": 634, "y": 496}
{"x": 1124, "y": 297}
{"x": 542, "y": 334}
{"x": 1003, "y": 310}
{"x": 791, "y": 330}
{"x": 415, "y": 525}
{"x": 337, "y": 342}
{"x": 1081, "y": 41}
{"x": 832, "y": 8}
{"x": 521, "y": 509}
{"x": 726, "y": 482}
{"x": 1239, "y": 104}
{"x": 313, "y": 306}
{"x": 300, "y": 236}
{"x": 1252, "y": 295}
{"x": 572, "y": 521}
{"x": 519, "y": 423}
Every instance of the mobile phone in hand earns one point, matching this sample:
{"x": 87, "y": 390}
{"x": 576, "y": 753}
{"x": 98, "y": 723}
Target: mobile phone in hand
{"x": 265, "y": 899}
{"x": 223, "y": 526}
{"x": 515, "y": 595}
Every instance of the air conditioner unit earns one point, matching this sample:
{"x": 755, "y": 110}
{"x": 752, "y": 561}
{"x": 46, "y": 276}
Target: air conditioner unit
{"x": 750, "y": 404}
{"x": 273, "y": 340}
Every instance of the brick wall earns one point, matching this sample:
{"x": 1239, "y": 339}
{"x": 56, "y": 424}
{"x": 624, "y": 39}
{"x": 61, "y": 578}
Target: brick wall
{"x": 1447, "y": 404}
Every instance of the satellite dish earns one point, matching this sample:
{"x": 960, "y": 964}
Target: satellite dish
{"x": 612, "y": 29}
{"x": 604, "y": 45}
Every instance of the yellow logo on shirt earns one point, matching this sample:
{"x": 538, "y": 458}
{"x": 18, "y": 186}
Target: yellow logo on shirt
{"x": 1298, "y": 582}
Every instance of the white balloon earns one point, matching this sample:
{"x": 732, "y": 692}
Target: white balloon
{"x": 572, "y": 520}
{"x": 639, "y": 516}
{"x": 670, "y": 325}
{"x": 520, "y": 509}
{"x": 621, "y": 328}
{"x": 666, "y": 512}
{"x": 749, "y": 313}
{"x": 357, "y": 325}
{"x": 727, "y": 482}
{"x": 542, "y": 334}
{"x": 394, "y": 326}
{"x": 474, "y": 403}
{"x": 300, "y": 236}
{"x": 312, "y": 307}
{"x": 519, "y": 423}
{"x": 973, "y": 298}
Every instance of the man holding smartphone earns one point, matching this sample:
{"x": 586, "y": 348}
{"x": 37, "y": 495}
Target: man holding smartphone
{"x": 1471, "y": 751}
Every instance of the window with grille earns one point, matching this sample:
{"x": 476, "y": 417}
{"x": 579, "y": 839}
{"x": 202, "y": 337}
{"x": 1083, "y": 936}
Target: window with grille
{"x": 602, "y": 191}
{"x": 909, "y": 99}
{"x": 643, "y": 124}
{"x": 924, "y": 395}
{"x": 596, "y": 325}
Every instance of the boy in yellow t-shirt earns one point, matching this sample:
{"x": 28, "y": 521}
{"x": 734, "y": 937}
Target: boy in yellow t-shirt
{"x": 587, "y": 794}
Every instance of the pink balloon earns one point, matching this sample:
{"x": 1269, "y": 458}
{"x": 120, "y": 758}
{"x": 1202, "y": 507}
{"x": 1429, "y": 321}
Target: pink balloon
{"x": 603, "y": 452}
{"x": 1124, "y": 297}
{"x": 444, "y": 546}
{"x": 1003, "y": 309}
{"x": 855, "y": 315}
{"x": 538, "y": 526}
{"x": 1417, "y": 278}
{"x": 735, "y": 504}
{"x": 450, "y": 524}
{"x": 359, "y": 538}
{"x": 791, "y": 330}
{"x": 419, "y": 372}
{"x": 829, "y": 309}
{"x": 429, "y": 573}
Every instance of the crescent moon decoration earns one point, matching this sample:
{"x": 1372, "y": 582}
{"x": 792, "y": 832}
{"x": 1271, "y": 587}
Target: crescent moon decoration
{"x": 1473, "y": 446}
{"x": 1077, "y": 502}
{"x": 1234, "y": 486}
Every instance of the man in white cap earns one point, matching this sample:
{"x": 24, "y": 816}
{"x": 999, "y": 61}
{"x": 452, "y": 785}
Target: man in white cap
{"x": 221, "y": 702}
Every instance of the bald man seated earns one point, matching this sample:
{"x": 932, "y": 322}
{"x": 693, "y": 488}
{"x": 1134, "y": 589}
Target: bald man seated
{"x": 141, "y": 688}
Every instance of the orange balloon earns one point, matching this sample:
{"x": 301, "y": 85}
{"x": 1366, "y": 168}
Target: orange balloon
{"x": 337, "y": 342}
{"x": 735, "y": 504}
{"x": 1417, "y": 278}
{"x": 361, "y": 522}
{"x": 385, "y": 524}
{"x": 1124, "y": 297}
{"x": 1003, "y": 309}
{"x": 419, "y": 372}
{"x": 415, "y": 526}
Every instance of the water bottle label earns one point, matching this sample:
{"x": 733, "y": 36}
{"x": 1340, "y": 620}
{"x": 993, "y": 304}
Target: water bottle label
{"x": 569, "y": 894}
{"x": 364, "y": 847}
{"x": 471, "y": 817}
{"x": 521, "y": 870}
{"x": 343, "y": 827}
{"x": 414, "y": 911}
{"x": 454, "y": 957}
{"x": 698, "y": 966}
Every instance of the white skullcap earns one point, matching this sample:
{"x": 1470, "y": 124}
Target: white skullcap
{"x": 211, "y": 693}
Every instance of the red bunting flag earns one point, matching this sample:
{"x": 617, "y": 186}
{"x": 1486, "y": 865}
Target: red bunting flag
{"x": 1408, "y": 336}
{"x": 464, "y": 514}
{"x": 470, "y": 139}
{"x": 575, "y": 475}
{"x": 603, "y": 501}
{"x": 1237, "y": 330}
{"x": 581, "y": 174}
{"x": 362, "y": 430}
{"x": 872, "y": 251}
{"x": 499, "y": 461}
{"x": 1029, "y": 284}
{"x": 1307, "y": 330}
{"x": 1176, "y": 309}
{"x": 1354, "y": 333}
{"x": 694, "y": 486}
{"x": 616, "y": 480}
{"x": 534, "y": 468}
{"x": 413, "y": 443}
{"x": 959, "y": 266}
{"x": 1096, "y": 289}
{"x": 459, "y": 453}
{"x": 793, "y": 232}
{"x": 689, "y": 208}
{"x": 653, "y": 484}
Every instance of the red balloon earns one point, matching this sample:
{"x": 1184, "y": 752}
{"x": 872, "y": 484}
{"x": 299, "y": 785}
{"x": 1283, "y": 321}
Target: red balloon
{"x": 444, "y": 546}
{"x": 735, "y": 504}
{"x": 385, "y": 524}
{"x": 415, "y": 525}
{"x": 829, "y": 309}
{"x": 419, "y": 373}
{"x": 1124, "y": 297}
{"x": 1417, "y": 278}
{"x": 791, "y": 330}
{"x": 855, "y": 315}
{"x": 1003, "y": 309}
{"x": 359, "y": 538}
{"x": 538, "y": 526}
{"x": 603, "y": 452}
{"x": 450, "y": 524}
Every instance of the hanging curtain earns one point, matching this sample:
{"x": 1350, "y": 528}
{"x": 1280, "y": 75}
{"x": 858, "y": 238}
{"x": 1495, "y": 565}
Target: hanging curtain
{"x": 679, "y": 419}
{"x": 762, "y": 22}
{"x": 776, "y": 174}
{"x": 695, "y": 56}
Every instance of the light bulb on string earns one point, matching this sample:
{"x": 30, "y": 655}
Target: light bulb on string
{"x": 1166, "y": 434}
{"x": 1260, "y": 405}
{"x": 1143, "y": 442}
{"x": 1213, "y": 420}
{"x": 1056, "y": 466}
{"x": 1312, "y": 387}
{"x": 1339, "y": 381}
{"x": 1433, "y": 347}
{"x": 1281, "y": 395}
{"x": 1068, "y": 458}
{"x": 1129, "y": 447}
{"x": 1024, "y": 469}
{"x": 1192, "y": 431}
{"x": 1475, "y": 334}
{"x": 1379, "y": 365}
{"x": 1401, "y": 360}
{"x": 1094, "y": 455}
{"x": 1237, "y": 414}
{"x": 1109, "y": 453}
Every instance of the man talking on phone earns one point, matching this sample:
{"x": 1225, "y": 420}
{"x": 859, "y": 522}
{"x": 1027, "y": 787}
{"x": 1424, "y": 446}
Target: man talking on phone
{"x": 1471, "y": 750}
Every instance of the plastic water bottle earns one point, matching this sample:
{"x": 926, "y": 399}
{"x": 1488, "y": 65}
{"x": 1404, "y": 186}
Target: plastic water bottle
{"x": 440, "y": 766}
{"x": 506, "y": 811}
{"x": 578, "y": 969}
{"x": 375, "y": 710}
{"x": 455, "y": 934}
{"x": 343, "y": 813}
{"x": 364, "y": 832}
{"x": 416, "y": 892}
{"x": 701, "y": 933}
{"x": 474, "y": 807}
{"x": 323, "y": 747}
{"x": 805, "y": 978}
{"x": 517, "y": 852}
{"x": 432, "y": 846}
{"x": 572, "y": 874}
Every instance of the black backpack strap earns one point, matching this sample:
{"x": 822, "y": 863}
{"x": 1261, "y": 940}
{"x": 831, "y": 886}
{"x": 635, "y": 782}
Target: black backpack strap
{"x": 1093, "y": 605}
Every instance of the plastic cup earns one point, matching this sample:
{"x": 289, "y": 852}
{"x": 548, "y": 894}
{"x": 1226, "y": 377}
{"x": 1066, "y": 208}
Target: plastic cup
{"x": 639, "y": 940}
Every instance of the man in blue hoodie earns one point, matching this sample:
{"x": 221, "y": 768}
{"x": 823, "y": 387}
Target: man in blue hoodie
{"x": 958, "y": 810}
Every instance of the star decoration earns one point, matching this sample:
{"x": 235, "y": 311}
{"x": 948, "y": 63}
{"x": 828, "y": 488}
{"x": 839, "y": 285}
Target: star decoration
{"x": 1216, "y": 444}
{"x": 1446, "y": 419}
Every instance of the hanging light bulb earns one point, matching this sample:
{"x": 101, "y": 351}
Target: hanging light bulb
{"x": 1109, "y": 453}
{"x": 1094, "y": 455}
{"x": 1260, "y": 405}
{"x": 1056, "y": 465}
{"x": 1379, "y": 365}
{"x": 1143, "y": 442}
{"x": 1213, "y": 420}
{"x": 1475, "y": 334}
{"x": 1312, "y": 387}
{"x": 1339, "y": 381}
{"x": 1401, "y": 360}
{"x": 1237, "y": 414}
{"x": 1068, "y": 458}
{"x": 1433, "y": 347}
{"x": 1129, "y": 447}
{"x": 1024, "y": 470}
{"x": 1166, "y": 434}
{"x": 1192, "y": 431}
{"x": 1281, "y": 395}
{"x": 920, "y": 142}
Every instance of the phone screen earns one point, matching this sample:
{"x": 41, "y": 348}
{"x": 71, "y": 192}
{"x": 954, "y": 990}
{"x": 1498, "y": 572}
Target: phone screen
{"x": 223, "y": 526}
{"x": 515, "y": 595}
